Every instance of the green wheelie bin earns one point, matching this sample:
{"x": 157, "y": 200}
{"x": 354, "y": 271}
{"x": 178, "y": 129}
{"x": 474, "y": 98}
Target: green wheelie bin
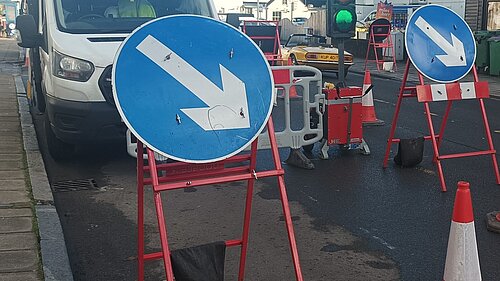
{"x": 483, "y": 49}
{"x": 494, "y": 55}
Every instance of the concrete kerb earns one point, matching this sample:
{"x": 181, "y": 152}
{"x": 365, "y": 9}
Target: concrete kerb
{"x": 55, "y": 261}
{"x": 377, "y": 74}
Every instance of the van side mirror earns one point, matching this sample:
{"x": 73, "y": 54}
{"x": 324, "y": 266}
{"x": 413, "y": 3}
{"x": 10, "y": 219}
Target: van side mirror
{"x": 30, "y": 37}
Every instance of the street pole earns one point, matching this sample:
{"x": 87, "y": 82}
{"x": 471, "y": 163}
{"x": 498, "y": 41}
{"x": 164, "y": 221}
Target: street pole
{"x": 341, "y": 60}
{"x": 258, "y": 10}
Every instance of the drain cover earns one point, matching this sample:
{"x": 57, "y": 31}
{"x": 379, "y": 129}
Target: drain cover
{"x": 74, "y": 185}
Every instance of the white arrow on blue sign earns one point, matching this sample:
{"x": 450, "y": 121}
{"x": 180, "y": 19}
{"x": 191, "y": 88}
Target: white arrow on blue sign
{"x": 440, "y": 44}
{"x": 192, "y": 88}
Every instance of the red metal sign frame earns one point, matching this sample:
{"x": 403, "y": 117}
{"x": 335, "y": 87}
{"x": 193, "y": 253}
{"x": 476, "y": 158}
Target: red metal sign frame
{"x": 380, "y": 41}
{"x": 183, "y": 175}
{"x": 436, "y": 139}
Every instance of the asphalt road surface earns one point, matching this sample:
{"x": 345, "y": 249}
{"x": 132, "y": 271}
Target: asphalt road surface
{"x": 353, "y": 219}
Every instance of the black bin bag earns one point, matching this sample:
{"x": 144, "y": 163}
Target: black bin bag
{"x": 410, "y": 152}
{"x": 199, "y": 263}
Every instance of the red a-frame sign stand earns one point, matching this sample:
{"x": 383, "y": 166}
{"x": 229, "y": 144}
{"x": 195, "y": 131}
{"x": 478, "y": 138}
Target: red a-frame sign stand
{"x": 182, "y": 175}
{"x": 452, "y": 91}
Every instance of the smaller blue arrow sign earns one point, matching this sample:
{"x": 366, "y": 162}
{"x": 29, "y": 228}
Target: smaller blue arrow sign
{"x": 440, "y": 44}
{"x": 192, "y": 88}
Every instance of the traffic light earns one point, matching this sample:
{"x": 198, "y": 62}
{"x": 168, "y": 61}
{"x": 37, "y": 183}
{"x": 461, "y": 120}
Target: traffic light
{"x": 341, "y": 18}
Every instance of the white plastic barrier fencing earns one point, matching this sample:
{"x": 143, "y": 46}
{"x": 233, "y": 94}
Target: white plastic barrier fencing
{"x": 298, "y": 111}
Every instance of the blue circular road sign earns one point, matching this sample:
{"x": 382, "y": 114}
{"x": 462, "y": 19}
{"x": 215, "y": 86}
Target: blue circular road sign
{"x": 192, "y": 88}
{"x": 440, "y": 44}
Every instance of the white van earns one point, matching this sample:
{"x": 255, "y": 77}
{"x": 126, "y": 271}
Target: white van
{"x": 72, "y": 47}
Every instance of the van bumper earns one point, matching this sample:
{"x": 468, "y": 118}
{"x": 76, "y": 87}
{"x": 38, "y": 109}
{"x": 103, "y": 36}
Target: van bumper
{"x": 85, "y": 122}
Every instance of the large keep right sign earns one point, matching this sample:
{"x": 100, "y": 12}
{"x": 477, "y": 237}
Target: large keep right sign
{"x": 440, "y": 44}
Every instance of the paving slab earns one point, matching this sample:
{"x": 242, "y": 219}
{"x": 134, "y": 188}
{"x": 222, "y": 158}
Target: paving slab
{"x": 8, "y": 113}
{"x": 8, "y": 165}
{"x": 12, "y": 197}
{"x": 15, "y": 225}
{"x": 18, "y": 261}
{"x": 18, "y": 241}
{"x": 10, "y": 127}
{"x": 6, "y": 90}
{"x": 12, "y": 133}
{"x": 13, "y": 119}
{"x": 12, "y": 213}
{"x": 11, "y": 157}
{"x": 20, "y": 276}
{"x": 9, "y": 148}
{"x": 12, "y": 175}
{"x": 6, "y": 95}
{"x": 8, "y": 106}
{"x": 12, "y": 185}
{"x": 11, "y": 137}
{"x": 8, "y": 121}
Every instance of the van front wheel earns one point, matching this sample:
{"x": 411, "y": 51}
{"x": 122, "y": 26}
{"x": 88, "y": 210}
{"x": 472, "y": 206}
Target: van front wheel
{"x": 58, "y": 149}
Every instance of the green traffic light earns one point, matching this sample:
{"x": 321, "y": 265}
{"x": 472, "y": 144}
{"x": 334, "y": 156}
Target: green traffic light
{"x": 344, "y": 20}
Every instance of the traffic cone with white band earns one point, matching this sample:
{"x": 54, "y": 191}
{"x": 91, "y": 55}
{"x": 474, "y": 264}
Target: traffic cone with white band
{"x": 27, "y": 58}
{"x": 462, "y": 260}
{"x": 368, "y": 109}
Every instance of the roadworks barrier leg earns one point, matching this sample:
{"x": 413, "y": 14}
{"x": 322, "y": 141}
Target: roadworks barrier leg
{"x": 493, "y": 221}
{"x": 462, "y": 260}
{"x": 298, "y": 159}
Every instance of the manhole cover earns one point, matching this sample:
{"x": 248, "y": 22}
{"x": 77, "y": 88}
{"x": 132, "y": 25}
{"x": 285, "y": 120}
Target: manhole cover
{"x": 74, "y": 185}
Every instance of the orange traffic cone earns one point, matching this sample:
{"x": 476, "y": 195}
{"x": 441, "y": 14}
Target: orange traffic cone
{"x": 368, "y": 109}
{"x": 27, "y": 58}
{"x": 462, "y": 260}
{"x": 293, "y": 93}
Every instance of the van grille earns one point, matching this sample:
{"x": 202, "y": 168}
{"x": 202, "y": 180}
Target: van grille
{"x": 105, "y": 85}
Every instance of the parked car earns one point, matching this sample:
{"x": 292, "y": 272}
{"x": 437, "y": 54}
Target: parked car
{"x": 312, "y": 50}
{"x": 299, "y": 21}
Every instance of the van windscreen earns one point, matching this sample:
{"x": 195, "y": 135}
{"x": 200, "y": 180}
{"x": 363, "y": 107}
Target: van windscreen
{"x": 120, "y": 16}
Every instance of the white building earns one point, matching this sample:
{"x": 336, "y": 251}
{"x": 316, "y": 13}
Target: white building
{"x": 277, "y": 9}
{"x": 228, "y": 6}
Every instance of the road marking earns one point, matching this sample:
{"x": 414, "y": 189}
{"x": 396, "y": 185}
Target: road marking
{"x": 427, "y": 171}
{"x": 390, "y": 247}
{"x": 310, "y": 197}
{"x": 381, "y": 101}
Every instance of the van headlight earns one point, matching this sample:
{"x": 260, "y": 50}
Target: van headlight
{"x": 72, "y": 68}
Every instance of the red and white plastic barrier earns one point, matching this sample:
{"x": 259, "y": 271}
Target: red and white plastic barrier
{"x": 453, "y": 91}
{"x": 462, "y": 260}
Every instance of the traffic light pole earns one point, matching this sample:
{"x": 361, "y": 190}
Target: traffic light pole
{"x": 341, "y": 69}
